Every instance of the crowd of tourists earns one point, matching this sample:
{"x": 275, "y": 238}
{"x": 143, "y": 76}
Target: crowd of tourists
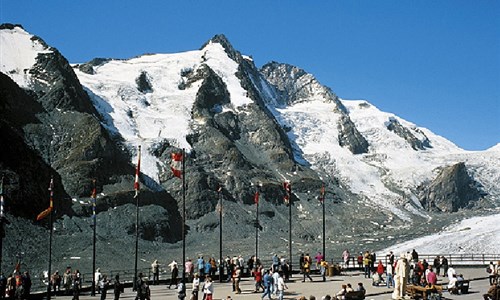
{"x": 269, "y": 279}
{"x": 16, "y": 285}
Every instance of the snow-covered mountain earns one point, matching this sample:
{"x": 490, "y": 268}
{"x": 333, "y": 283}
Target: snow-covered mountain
{"x": 243, "y": 128}
{"x": 387, "y": 174}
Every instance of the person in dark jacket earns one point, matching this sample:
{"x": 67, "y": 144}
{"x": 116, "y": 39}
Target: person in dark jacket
{"x": 26, "y": 283}
{"x": 118, "y": 288}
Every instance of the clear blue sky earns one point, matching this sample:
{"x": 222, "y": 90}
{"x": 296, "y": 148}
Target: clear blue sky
{"x": 433, "y": 63}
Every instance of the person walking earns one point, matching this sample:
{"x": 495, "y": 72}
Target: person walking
{"x": 174, "y": 271}
{"x": 195, "y": 287}
{"x": 268, "y": 282}
{"x": 307, "y": 268}
{"x": 281, "y": 286}
{"x": 208, "y": 289}
{"x": 104, "y": 284}
{"x": 117, "y": 287}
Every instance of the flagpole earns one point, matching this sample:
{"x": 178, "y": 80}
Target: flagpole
{"x": 51, "y": 189}
{"x": 289, "y": 194}
{"x": 93, "y": 196}
{"x": 257, "y": 226}
{"x": 183, "y": 216}
{"x": 322, "y": 197}
{"x": 221, "y": 265}
{"x": 2, "y": 229}
{"x": 136, "y": 187}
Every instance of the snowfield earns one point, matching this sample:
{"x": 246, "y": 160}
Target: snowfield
{"x": 474, "y": 235}
{"x": 18, "y": 54}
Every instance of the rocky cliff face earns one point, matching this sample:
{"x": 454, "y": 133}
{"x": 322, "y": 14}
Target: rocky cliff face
{"x": 27, "y": 175}
{"x": 451, "y": 190}
{"x": 295, "y": 86}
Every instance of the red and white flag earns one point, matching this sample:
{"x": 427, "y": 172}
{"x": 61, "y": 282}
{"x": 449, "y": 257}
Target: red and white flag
{"x": 93, "y": 196}
{"x": 322, "y": 193}
{"x": 287, "y": 187}
{"x": 256, "y": 197}
{"x": 137, "y": 186}
{"x": 176, "y": 164}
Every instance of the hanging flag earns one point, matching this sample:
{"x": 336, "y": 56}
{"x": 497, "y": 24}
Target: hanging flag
{"x": 51, "y": 190}
{"x": 287, "y": 187}
{"x": 46, "y": 212}
{"x": 93, "y": 196}
{"x": 256, "y": 197}
{"x": 322, "y": 193}
{"x": 137, "y": 186}
{"x": 1, "y": 200}
{"x": 176, "y": 164}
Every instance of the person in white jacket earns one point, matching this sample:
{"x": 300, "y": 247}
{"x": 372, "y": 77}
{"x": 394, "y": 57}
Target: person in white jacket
{"x": 401, "y": 273}
{"x": 281, "y": 286}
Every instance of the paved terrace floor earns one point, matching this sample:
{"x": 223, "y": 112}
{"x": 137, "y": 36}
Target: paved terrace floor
{"x": 318, "y": 288}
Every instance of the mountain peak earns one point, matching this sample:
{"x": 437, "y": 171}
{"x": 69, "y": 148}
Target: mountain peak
{"x": 10, "y": 26}
{"x": 228, "y": 48}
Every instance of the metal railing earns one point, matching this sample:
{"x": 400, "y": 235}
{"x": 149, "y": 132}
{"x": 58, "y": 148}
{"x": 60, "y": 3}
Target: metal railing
{"x": 127, "y": 275}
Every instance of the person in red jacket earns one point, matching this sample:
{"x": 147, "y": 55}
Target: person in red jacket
{"x": 380, "y": 269}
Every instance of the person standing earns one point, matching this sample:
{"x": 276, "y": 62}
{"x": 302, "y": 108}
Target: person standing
{"x": 414, "y": 256}
{"x": 276, "y": 263}
{"x": 155, "y": 268}
{"x": 200, "y": 263}
{"x": 97, "y": 279}
{"x": 189, "y": 267}
{"x": 281, "y": 286}
{"x": 26, "y": 284}
{"x": 367, "y": 263}
{"x": 437, "y": 265}
{"x": 67, "y": 280}
{"x": 236, "y": 280}
{"x": 55, "y": 281}
{"x": 389, "y": 270}
{"x": 196, "y": 287}
{"x": 323, "y": 266}
{"x": 346, "y": 257}
{"x": 401, "y": 274}
{"x": 77, "y": 284}
{"x": 431, "y": 276}
{"x": 117, "y": 288}
{"x": 444, "y": 263}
